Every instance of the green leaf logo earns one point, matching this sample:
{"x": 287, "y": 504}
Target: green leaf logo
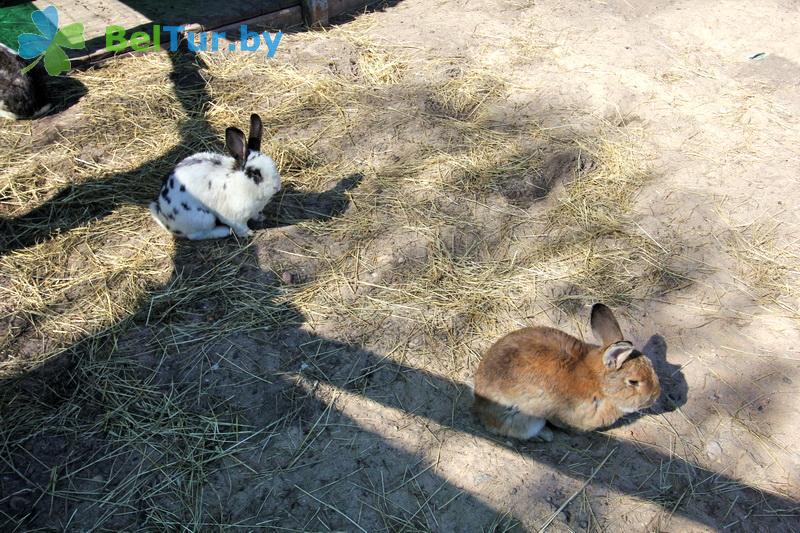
{"x": 49, "y": 44}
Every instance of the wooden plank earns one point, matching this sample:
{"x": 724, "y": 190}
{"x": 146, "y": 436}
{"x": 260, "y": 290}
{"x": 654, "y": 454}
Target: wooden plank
{"x": 339, "y": 7}
{"x": 280, "y": 20}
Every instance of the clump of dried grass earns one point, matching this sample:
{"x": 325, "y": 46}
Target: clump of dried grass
{"x": 377, "y": 66}
{"x": 596, "y": 201}
{"x": 486, "y": 160}
{"x": 768, "y": 268}
{"x": 462, "y": 92}
{"x": 78, "y": 285}
{"x": 88, "y": 273}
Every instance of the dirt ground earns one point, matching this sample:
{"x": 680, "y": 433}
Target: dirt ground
{"x": 453, "y": 170}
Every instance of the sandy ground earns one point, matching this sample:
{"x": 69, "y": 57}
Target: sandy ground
{"x": 361, "y": 423}
{"x": 720, "y": 133}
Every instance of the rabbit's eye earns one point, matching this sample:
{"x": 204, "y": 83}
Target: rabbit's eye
{"x": 633, "y": 382}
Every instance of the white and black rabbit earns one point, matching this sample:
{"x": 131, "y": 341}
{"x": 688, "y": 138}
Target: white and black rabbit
{"x": 21, "y": 95}
{"x": 209, "y": 195}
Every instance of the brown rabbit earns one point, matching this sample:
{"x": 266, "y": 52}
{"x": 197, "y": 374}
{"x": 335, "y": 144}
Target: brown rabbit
{"x": 540, "y": 374}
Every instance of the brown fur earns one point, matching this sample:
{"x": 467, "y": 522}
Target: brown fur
{"x": 543, "y": 373}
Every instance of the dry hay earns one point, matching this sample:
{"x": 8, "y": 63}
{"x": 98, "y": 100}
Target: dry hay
{"x": 452, "y": 239}
{"x": 767, "y": 267}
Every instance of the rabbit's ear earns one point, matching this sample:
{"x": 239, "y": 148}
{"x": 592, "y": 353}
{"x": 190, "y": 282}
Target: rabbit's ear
{"x": 617, "y": 353}
{"x": 604, "y": 325}
{"x": 234, "y": 142}
{"x": 256, "y": 129}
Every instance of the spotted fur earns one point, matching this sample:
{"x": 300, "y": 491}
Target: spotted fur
{"x": 210, "y": 195}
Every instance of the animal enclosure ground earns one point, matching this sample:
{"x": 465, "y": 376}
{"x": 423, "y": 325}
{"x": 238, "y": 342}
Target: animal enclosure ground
{"x": 453, "y": 170}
